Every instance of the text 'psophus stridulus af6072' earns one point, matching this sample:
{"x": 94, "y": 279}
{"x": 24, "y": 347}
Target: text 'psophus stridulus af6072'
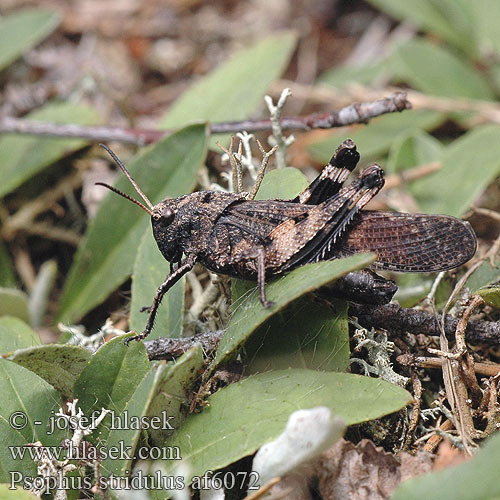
{"x": 255, "y": 240}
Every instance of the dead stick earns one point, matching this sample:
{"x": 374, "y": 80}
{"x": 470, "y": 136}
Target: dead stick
{"x": 486, "y": 369}
{"x": 166, "y": 348}
{"x": 397, "y": 319}
{"x": 433, "y": 442}
{"x": 354, "y": 113}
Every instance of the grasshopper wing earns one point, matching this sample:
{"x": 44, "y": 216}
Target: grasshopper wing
{"x": 410, "y": 242}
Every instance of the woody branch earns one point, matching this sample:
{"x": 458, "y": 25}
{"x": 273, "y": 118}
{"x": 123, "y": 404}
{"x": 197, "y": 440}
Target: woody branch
{"x": 360, "y": 112}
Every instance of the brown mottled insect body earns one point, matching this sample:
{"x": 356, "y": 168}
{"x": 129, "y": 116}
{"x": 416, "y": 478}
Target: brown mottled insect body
{"x": 256, "y": 240}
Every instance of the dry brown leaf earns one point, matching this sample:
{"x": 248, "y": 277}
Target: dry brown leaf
{"x": 366, "y": 472}
{"x": 448, "y": 455}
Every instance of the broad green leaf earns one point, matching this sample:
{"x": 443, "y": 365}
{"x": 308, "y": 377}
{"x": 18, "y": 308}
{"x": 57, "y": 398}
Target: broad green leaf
{"x": 442, "y": 18}
{"x": 173, "y": 391}
{"x": 105, "y": 258}
{"x": 305, "y": 335}
{"x": 126, "y": 432}
{"x": 484, "y": 275}
{"x": 58, "y": 364}
{"x": 21, "y": 157}
{"x": 486, "y": 20}
{"x": 111, "y": 378}
{"x": 22, "y": 30}
{"x": 476, "y": 479}
{"x": 376, "y": 138}
{"x": 234, "y": 89}
{"x": 469, "y": 164}
{"x": 282, "y": 184}
{"x": 32, "y": 401}
{"x": 7, "y": 493}
{"x": 413, "y": 287}
{"x": 437, "y": 71}
{"x": 7, "y": 274}
{"x": 415, "y": 148}
{"x": 249, "y": 313}
{"x": 243, "y": 416}
{"x": 14, "y": 302}
{"x": 16, "y": 334}
{"x": 368, "y": 74}
{"x": 150, "y": 270}
{"x": 491, "y": 295}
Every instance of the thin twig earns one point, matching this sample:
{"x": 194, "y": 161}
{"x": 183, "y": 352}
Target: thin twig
{"x": 25, "y": 216}
{"x": 415, "y": 411}
{"x": 354, "y": 113}
{"x": 412, "y": 174}
{"x": 458, "y": 372}
{"x": 486, "y": 369}
{"x": 487, "y": 111}
{"x": 166, "y": 348}
{"x": 433, "y": 442}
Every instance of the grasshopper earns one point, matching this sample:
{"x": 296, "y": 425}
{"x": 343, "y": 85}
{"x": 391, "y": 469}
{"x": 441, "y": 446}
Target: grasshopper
{"x": 259, "y": 240}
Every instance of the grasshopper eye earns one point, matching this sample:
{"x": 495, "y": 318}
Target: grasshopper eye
{"x": 167, "y": 216}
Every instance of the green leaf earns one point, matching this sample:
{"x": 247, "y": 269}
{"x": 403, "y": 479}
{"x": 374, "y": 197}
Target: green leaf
{"x": 412, "y": 149}
{"x": 16, "y": 334}
{"x": 235, "y": 88}
{"x": 111, "y": 378}
{"x": 164, "y": 392}
{"x": 376, "y": 138}
{"x": 243, "y": 416}
{"x": 442, "y": 18}
{"x": 491, "y": 295}
{"x": 249, "y": 313}
{"x": 35, "y": 401}
{"x": 469, "y": 165}
{"x": 343, "y": 75}
{"x": 14, "y": 302}
{"x": 486, "y": 20}
{"x": 21, "y": 157}
{"x": 150, "y": 270}
{"x": 484, "y": 275}
{"x": 105, "y": 258}
{"x": 18, "y": 494}
{"x": 22, "y": 30}
{"x": 437, "y": 71}
{"x": 173, "y": 391}
{"x": 304, "y": 335}
{"x": 476, "y": 479}
{"x": 58, "y": 364}
{"x": 282, "y": 184}
{"x": 7, "y": 274}
{"x": 125, "y": 431}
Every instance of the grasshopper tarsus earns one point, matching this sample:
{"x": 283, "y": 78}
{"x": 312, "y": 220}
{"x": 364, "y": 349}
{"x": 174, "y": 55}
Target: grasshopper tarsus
{"x": 137, "y": 337}
{"x": 145, "y": 309}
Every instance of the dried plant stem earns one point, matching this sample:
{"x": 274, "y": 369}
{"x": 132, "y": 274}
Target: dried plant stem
{"x": 458, "y": 377}
{"x": 24, "y": 218}
{"x": 486, "y": 111}
{"x": 354, "y": 113}
{"x": 412, "y": 174}
{"x": 486, "y": 369}
{"x": 434, "y": 440}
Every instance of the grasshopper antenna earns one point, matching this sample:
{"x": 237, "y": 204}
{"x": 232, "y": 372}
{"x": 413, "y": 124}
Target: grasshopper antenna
{"x": 117, "y": 191}
{"x": 125, "y": 171}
